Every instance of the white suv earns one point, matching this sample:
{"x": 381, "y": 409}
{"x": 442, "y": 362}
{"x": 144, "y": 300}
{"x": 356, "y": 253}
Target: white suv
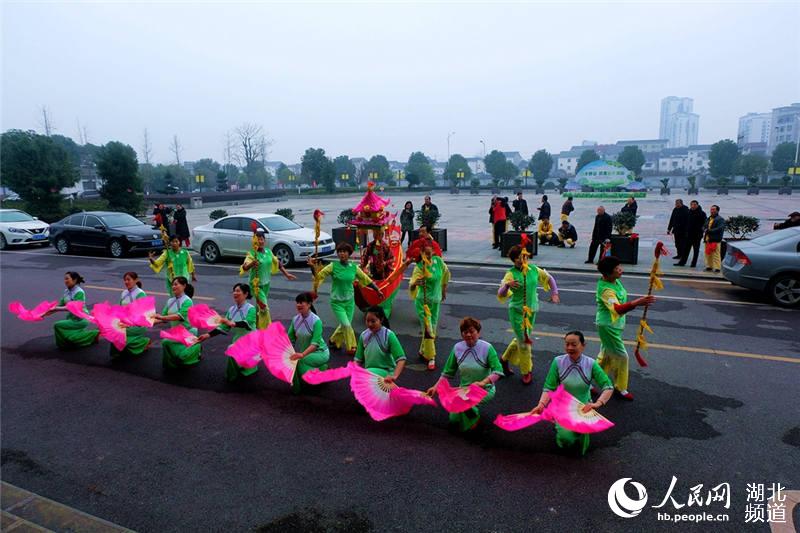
{"x": 232, "y": 236}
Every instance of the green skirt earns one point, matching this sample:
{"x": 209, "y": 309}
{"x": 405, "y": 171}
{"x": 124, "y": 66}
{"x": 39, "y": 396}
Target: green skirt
{"x": 71, "y": 333}
{"x": 234, "y": 371}
{"x": 137, "y": 342}
{"x": 175, "y": 355}
{"x": 318, "y": 359}
{"x": 571, "y": 440}
{"x": 466, "y": 420}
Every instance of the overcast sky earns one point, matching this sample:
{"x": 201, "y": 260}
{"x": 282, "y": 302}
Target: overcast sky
{"x": 392, "y": 78}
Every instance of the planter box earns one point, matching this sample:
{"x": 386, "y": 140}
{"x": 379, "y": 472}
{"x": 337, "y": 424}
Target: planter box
{"x": 455, "y": 190}
{"x": 540, "y": 190}
{"x": 752, "y": 190}
{"x": 474, "y": 191}
{"x": 439, "y": 235}
{"x": 693, "y": 190}
{"x": 343, "y": 234}
{"x": 495, "y": 190}
{"x": 585, "y": 188}
{"x": 785, "y": 190}
{"x": 625, "y": 249}
{"x": 664, "y": 190}
{"x": 510, "y": 239}
{"x": 722, "y": 190}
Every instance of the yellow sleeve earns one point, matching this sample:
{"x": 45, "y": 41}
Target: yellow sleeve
{"x": 247, "y": 259}
{"x": 362, "y": 278}
{"x": 158, "y": 263}
{"x": 445, "y": 274}
{"x": 416, "y": 275}
{"x": 189, "y": 263}
{"x": 320, "y": 276}
{"x": 275, "y": 265}
{"x": 609, "y": 298}
{"x": 508, "y": 278}
{"x": 544, "y": 280}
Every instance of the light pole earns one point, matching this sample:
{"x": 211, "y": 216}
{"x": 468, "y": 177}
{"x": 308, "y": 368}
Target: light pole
{"x": 345, "y": 177}
{"x": 484, "y": 148}
{"x": 448, "y": 144}
{"x": 526, "y": 174}
{"x": 200, "y": 180}
{"x": 460, "y": 176}
{"x": 373, "y": 177}
{"x": 400, "y": 176}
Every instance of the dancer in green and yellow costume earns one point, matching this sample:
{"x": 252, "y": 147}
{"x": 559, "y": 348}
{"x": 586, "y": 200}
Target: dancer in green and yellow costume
{"x": 343, "y": 274}
{"x": 519, "y": 288}
{"x": 261, "y": 263}
{"x": 305, "y": 332}
{"x": 177, "y": 260}
{"x": 428, "y": 289}
{"x": 71, "y": 332}
{"x": 175, "y": 354}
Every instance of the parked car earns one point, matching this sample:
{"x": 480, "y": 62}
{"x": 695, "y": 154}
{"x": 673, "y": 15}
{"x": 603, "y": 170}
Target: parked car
{"x": 770, "y": 263}
{"x": 18, "y": 228}
{"x": 114, "y": 233}
{"x": 232, "y": 236}
{"x": 89, "y": 194}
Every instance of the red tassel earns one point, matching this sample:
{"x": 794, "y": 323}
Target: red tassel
{"x": 639, "y": 359}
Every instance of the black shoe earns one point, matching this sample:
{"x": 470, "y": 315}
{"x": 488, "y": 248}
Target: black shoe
{"x": 588, "y": 262}
{"x": 677, "y": 257}
{"x": 707, "y": 270}
{"x": 506, "y": 369}
{"x": 679, "y": 264}
{"x": 716, "y": 271}
{"x": 694, "y": 265}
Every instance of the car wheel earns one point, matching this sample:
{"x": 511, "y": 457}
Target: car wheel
{"x": 3, "y": 242}
{"x": 210, "y": 252}
{"x": 62, "y": 245}
{"x": 116, "y": 248}
{"x": 284, "y": 255}
{"x": 784, "y": 290}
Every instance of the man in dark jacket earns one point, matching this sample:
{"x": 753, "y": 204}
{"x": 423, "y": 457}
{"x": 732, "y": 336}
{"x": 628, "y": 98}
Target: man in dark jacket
{"x": 520, "y": 204}
{"x": 600, "y": 232}
{"x": 695, "y": 225}
{"x": 544, "y": 210}
{"x": 567, "y": 235}
{"x": 567, "y": 208}
{"x": 630, "y": 206}
{"x": 714, "y": 231}
{"x": 791, "y": 222}
{"x": 679, "y": 227}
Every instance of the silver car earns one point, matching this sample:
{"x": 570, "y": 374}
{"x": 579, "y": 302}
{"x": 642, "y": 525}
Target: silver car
{"x": 770, "y": 263}
{"x": 232, "y": 236}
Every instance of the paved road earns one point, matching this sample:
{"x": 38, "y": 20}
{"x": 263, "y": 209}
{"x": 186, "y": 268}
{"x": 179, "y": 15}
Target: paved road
{"x": 190, "y": 453}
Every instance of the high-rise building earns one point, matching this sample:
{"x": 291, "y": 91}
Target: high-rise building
{"x": 754, "y": 128}
{"x": 678, "y": 124}
{"x": 785, "y": 126}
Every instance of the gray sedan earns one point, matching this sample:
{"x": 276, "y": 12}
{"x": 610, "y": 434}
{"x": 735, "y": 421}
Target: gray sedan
{"x": 770, "y": 263}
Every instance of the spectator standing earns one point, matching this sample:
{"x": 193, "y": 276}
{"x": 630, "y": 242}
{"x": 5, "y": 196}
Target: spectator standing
{"x": 544, "y": 209}
{"x": 520, "y": 204}
{"x": 428, "y": 206}
{"x": 694, "y": 232}
{"x": 630, "y": 206}
{"x": 499, "y": 213}
{"x": 407, "y": 222}
{"x": 181, "y": 226}
{"x": 567, "y": 208}
{"x": 601, "y": 231}
{"x": 678, "y": 227}
{"x": 715, "y": 230}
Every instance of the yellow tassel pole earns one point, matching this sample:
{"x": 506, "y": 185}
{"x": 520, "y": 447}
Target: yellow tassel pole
{"x": 655, "y": 284}
{"x": 170, "y": 266}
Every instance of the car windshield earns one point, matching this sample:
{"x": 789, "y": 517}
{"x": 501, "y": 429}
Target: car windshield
{"x": 15, "y": 216}
{"x": 771, "y": 238}
{"x": 120, "y": 220}
{"x": 278, "y": 223}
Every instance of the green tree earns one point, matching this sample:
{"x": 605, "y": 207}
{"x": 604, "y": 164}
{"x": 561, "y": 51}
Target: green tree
{"x": 752, "y": 167}
{"x": 282, "y": 174}
{"x": 722, "y": 158}
{"x": 586, "y": 157}
{"x": 36, "y": 168}
{"x": 457, "y": 163}
{"x": 511, "y": 171}
{"x": 312, "y": 165}
{"x": 413, "y": 180}
{"x": 540, "y": 165}
{"x": 119, "y": 169}
{"x": 222, "y": 181}
{"x": 632, "y": 158}
{"x": 380, "y": 165}
{"x": 495, "y": 163}
{"x": 208, "y": 168}
{"x": 343, "y": 165}
{"x": 329, "y": 175}
{"x": 783, "y": 157}
{"x": 420, "y": 168}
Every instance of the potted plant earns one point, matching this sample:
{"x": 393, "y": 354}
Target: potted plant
{"x": 285, "y": 212}
{"x": 520, "y": 222}
{"x": 495, "y": 186}
{"x": 475, "y": 186}
{"x": 722, "y": 184}
{"x": 562, "y": 184}
{"x": 454, "y": 187}
{"x": 692, "y": 185}
{"x": 344, "y": 233}
{"x": 540, "y": 185}
{"x": 664, "y": 186}
{"x": 430, "y": 218}
{"x": 625, "y": 244}
{"x": 739, "y": 227}
{"x": 786, "y": 186}
{"x": 752, "y": 182}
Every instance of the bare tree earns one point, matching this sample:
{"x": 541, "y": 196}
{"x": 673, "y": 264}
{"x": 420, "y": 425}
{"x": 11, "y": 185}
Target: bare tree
{"x": 147, "y": 148}
{"x": 46, "y": 121}
{"x": 175, "y": 147}
{"x": 228, "y": 151}
{"x": 253, "y": 144}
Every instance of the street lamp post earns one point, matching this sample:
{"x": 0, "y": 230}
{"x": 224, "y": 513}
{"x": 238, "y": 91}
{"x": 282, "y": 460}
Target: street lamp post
{"x": 345, "y": 177}
{"x": 200, "y": 180}
{"x": 373, "y": 176}
{"x": 448, "y": 144}
{"x": 460, "y": 176}
{"x": 400, "y": 176}
{"x": 526, "y": 174}
{"x": 484, "y": 148}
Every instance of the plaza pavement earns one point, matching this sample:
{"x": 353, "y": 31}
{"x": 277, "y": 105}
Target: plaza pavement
{"x": 466, "y": 219}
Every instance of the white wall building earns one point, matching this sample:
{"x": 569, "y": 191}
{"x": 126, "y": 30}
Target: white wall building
{"x": 679, "y": 125}
{"x": 754, "y": 128}
{"x": 785, "y": 126}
